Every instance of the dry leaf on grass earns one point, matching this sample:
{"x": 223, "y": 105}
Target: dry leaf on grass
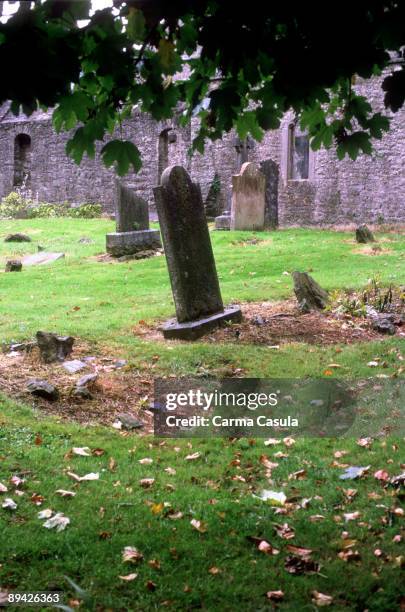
{"x": 3, "y": 488}
{"x": 59, "y": 521}
{"x": 146, "y": 482}
{"x": 64, "y": 493}
{"x": 275, "y": 595}
{"x": 90, "y": 476}
{"x": 128, "y": 577}
{"x": 82, "y": 451}
{"x": 131, "y": 554}
{"x": 193, "y": 456}
{"x": 321, "y": 599}
{"x": 9, "y": 504}
{"x": 145, "y": 461}
{"x": 199, "y": 525}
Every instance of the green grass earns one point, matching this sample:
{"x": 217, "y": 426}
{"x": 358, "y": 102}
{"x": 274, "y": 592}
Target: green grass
{"x": 217, "y": 488}
{"x": 47, "y": 297}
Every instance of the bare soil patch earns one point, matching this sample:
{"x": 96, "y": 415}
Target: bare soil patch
{"x": 116, "y": 390}
{"x": 270, "y": 323}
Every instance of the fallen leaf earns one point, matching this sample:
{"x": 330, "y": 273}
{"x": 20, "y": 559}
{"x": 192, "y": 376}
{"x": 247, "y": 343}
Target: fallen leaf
{"x": 214, "y": 570}
{"x": 275, "y": 595}
{"x": 364, "y": 442}
{"x": 64, "y": 493}
{"x": 350, "y": 493}
{"x": 267, "y": 548}
{"x": 351, "y": 516}
{"x": 171, "y": 471}
{"x": 340, "y": 453}
{"x": 155, "y": 563}
{"x": 194, "y": 456}
{"x": 3, "y": 488}
{"x": 157, "y": 508}
{"x": 151, "y": 586}
{"x": 297, "y": 565}
{"x": 373, "y": 364}
{"x": 305, "y": 553}
{"x": 198, "y": 525}
{"x": 315, "y": 518}
{"x": 90, "y": 476}
{"x": 174, "y": 516}
{"x": 145, "y": 461}
{"x": 38, "y": 440}
{"x": 128, "y": 577}
{"x": 45, "y": 514}
{"x": 354, "y": 472}
{"x": 285, "y": 531}
{"x": 98, "y": 452}
{"x": 112, "y": 464}
{"x": 146, "y": 482}
{"x": 9, "y": 504}
{"x": 82, "y": 451}
{"x": 320, "y": 599}
{"x": 381, "y": 475}
{"x": 131, "y": 554}
{"x": 271, "y": 442}
{"x": 60, "y": 521}
{"x": 273, "y": 497}
{"x": 288, "y": 442}
{"x": 16, "y": 481}
{"x": 299, "y": 475}
{"x": 37, "y": 499}
{"x": 349, "y": 555}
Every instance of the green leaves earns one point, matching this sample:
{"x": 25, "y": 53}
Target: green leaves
{"x": 71, "y": 110}
{"x": 352, "y": 144}
{"x": 123, "y": 154}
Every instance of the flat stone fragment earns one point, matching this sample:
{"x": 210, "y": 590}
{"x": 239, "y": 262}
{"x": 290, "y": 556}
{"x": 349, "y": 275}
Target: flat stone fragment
{"x": 119, "y": 244}
{"x": 74, "y": 366}
{"x": 192, "y": 330}
{"x": 42, "y": 388}
{"x": 129, "y": 422}
{"x": 223, "y": 222}
{"x": 13, "y": 265}
{"x": 41, "y": 258}
{"x": 53, "y": 347}
{"x": 82, "y": 393}
{"x": 87, "y": 379}
{"x": 17, "y": 238}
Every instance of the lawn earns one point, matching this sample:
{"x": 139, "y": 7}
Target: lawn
{"x": 353, "y": 528}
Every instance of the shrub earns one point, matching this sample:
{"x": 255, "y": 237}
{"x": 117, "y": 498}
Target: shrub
{"x": 15, "y": 206}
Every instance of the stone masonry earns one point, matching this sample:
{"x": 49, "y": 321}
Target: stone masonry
{"x": 368, "y": 190}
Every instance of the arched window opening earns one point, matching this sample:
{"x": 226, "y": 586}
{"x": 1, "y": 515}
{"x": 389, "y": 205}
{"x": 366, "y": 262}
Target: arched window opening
{"x": 22, "y": 160}
{"x": 298, "y": 153}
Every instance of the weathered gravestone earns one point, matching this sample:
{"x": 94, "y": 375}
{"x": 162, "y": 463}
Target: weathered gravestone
{"x": 132, "y": 224}
{"x": 309, "y": 294}
{"x": 190, "y": 260}
{"x": 271, "y": 174}
{"x": 41, "y": 258}
{"x": 364, "y": 235}
{"x": 248, "y": 198}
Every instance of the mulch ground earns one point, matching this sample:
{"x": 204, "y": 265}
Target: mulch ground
{"x": 128, "y": 390}
{"x": 270, "y": 323}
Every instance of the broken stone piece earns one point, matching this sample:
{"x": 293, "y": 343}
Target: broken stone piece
{"x": 83, "y": 393}
{"x": 87, "y": 379}
{"x": 129, "y": 422}
{"x": 53, "y": 347}
{"x": 364, "y": 235}
{"x": 42, "y": 388}
{"x": 74, "y": 366}
{"x": 309, "y": 294}
{"x": 13, "y": 265}
{"x": 17, "y": 238}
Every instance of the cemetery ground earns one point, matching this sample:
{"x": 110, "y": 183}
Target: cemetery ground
{"x": 188, "y": 507}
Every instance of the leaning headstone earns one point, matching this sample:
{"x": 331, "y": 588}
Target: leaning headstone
{"x": 309, "y": 294}
{"x": 132, "y": 225}
{"x": 223, "y": 222}
{"x": 53, "y": 347}
{"x": 17, "y": 238}
{"x": 364, "y": 235}
{"x": 271, "y": 173}
{"x": 41, "y": 258}
{"x": 248, "y": 198}
{"x": 190, "y": 260}
{"x": 13, "y": 265}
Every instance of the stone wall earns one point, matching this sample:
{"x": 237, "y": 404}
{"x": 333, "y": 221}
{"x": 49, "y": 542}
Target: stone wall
{"x": 370, "y": 189}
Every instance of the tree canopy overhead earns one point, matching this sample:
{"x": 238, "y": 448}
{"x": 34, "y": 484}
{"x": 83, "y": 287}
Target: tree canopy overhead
{"x": 245, "y": 65}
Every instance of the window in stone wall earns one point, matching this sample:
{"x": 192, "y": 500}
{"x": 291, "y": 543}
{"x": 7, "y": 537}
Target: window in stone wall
{"x": 166, "y": 138}
{"x": 298, "y": 153}
{"x": 22, "y": 160}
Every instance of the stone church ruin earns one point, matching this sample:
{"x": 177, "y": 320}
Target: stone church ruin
{"x": 302, "y": 187}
